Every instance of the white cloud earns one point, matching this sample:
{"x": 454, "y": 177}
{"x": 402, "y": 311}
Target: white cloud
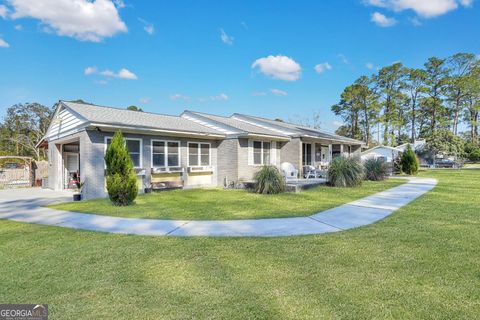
{"x": 121, "y": 74}
{"x": 144, "y": 100}
{"x": 102, "y": 82}
{"x": 343, "y": 58}
{"x": 244, "y": 25}
{"x": 147, "y": 26}
{"x": 259, "y": 93}
{"x": 90, "y": 70}
{"x": 18, "y": 27}
{"x": 279, "y": 67}
{"x": 4, "y": 44}
{"x": 382, "y": 20}
{"x": 3, "y": 11}
{"x": 220, "y": 97}
{"x": 278, "y": 92}
{"x": 80, "y": 19}
{"x": 225, "y": 37}
{"x": 126, "y": 74}
{"x": 322, "y": 67}
{"x": 178, "y": 96}
{"x": 369, "y": 65}
{"x": 423, "y": 8}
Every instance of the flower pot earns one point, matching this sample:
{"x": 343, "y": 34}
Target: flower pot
{"x": 77, "y": 197}
{"x": 148, "y": 190}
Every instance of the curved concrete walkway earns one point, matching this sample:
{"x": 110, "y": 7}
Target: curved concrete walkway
{"x": 25, "y": 205}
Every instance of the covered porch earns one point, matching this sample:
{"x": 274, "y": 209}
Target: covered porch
{"x": 317, "y": 154}
{"x": 64, "y": 164}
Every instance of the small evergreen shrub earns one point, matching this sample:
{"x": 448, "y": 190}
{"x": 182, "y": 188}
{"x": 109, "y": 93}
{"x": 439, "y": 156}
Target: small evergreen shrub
{"x": 409, "y": 161}
{"x": 269, "y": 180}
{"x": 345, "y": 172}
{"x": 121, "y": 179}
{"x": 375, "y": 170}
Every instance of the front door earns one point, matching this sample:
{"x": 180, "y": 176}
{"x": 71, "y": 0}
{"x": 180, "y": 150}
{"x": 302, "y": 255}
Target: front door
{"x": 307, "y": 154}
{"x": 71, "y": 162}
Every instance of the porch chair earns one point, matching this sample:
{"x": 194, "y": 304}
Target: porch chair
{"x": 289, "y": 171}
{"x": 310, "y": 172}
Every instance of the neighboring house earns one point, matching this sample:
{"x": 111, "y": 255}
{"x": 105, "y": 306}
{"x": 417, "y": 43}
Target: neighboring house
{"x": 195, "y": 149}
{"x": 386, "y": 153}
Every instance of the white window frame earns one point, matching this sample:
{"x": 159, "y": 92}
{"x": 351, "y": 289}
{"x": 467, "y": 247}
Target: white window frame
{"x": 199, "y": 154}
{"x": 261, "y": 153}
{"x": 166, "y": 153}
{"x": 132, "y": 139}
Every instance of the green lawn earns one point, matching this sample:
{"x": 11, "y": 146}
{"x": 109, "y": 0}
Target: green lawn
{"x": 420, "y": 263}
{"x": 217, "y": 204}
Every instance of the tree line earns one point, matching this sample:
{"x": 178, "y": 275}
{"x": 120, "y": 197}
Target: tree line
{"x": 404, "y": 104}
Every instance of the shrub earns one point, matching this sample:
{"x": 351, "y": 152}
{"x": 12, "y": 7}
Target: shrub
{"x": 122, "y": 190}
{"x": 409, "y": 161}
{"x": 121, "y": 179}
{"x": 269, "y": 180}
{"x": 375, "y": 170}
{"x": 345, "y": 172}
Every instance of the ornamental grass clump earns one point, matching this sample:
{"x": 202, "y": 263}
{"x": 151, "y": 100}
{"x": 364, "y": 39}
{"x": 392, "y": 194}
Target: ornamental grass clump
{"x": 375, "y": 170}
{"x": 409, "y": 161}
{"x": 121, "y": 179}
{"x": 345, "y": 172}
{"x": 269, "y": 180}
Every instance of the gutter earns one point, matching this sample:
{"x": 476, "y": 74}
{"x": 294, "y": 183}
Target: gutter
{"x": 164, "y": 131}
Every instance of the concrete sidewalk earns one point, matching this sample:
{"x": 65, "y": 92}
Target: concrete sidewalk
{"x": 25, "y": 205}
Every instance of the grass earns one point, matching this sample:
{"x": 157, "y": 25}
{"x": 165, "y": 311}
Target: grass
{"x": 419, "y": 263}
{"x": 217, "y": 204}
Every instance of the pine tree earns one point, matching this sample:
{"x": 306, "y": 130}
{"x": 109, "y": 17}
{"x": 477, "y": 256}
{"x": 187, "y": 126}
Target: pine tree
{"x": 409, "y": 161}
{"x": 121, "y": 179}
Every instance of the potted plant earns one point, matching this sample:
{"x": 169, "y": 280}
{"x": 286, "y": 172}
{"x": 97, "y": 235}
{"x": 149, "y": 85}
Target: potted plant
{"x": 78, "y": 195}
{"x": 148, "y": 188}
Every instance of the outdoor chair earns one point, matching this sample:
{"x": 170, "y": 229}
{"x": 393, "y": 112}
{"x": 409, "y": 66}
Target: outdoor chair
{"x": 310, "y": 172}
{"x": 289, "y": 171}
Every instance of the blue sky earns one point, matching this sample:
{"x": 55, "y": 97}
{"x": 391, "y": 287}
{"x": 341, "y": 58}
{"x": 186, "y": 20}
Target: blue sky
{"x": 255, "y": 57}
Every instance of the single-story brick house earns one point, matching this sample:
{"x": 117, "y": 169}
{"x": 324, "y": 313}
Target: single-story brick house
{"x": 196, "y": 149}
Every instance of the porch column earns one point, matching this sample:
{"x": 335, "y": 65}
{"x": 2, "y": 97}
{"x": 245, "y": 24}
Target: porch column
{"x": 341, "y": 150}
{"x": 330, "y": 153}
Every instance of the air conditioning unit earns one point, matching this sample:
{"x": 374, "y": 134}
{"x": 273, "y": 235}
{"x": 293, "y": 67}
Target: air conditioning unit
{"x": 167, "y": 170}
{"x": 200, "y": 169}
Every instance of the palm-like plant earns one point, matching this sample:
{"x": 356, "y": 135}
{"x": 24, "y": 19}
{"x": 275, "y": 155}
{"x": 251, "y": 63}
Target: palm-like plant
{"x": 345, "y": 172}
{"x": 375, "y": 170}
{"x": 269, "y": 180}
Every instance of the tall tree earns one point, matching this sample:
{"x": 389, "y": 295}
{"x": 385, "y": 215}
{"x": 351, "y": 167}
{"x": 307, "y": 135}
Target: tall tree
{"x": 23, "y": 127}
{"x": 415, "y": 88}
{"x": 460, "y": 66}
{"x": 436, "y": 81}
{"x": 358, "y": 108}
{"x": 389, "y": 81}
{"x": 472, "y": 101}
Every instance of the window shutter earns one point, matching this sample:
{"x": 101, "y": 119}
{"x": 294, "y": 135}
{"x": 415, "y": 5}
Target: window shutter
{"x": 250, "y": 152}
{"x": 273, "y": 153}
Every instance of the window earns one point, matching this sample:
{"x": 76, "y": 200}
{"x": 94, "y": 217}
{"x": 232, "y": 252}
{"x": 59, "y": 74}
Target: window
{"x": 165, "y": 153}
{"x": 198, "y": 154}
{"x": 261, "y": 152}
{"x": 134, "y": 147}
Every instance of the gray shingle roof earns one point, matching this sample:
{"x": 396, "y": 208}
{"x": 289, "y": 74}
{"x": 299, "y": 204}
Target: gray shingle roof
{"x": 240, "y": 125}
{"x": 298, "y": 129}
{"x": 117, "y": 116}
